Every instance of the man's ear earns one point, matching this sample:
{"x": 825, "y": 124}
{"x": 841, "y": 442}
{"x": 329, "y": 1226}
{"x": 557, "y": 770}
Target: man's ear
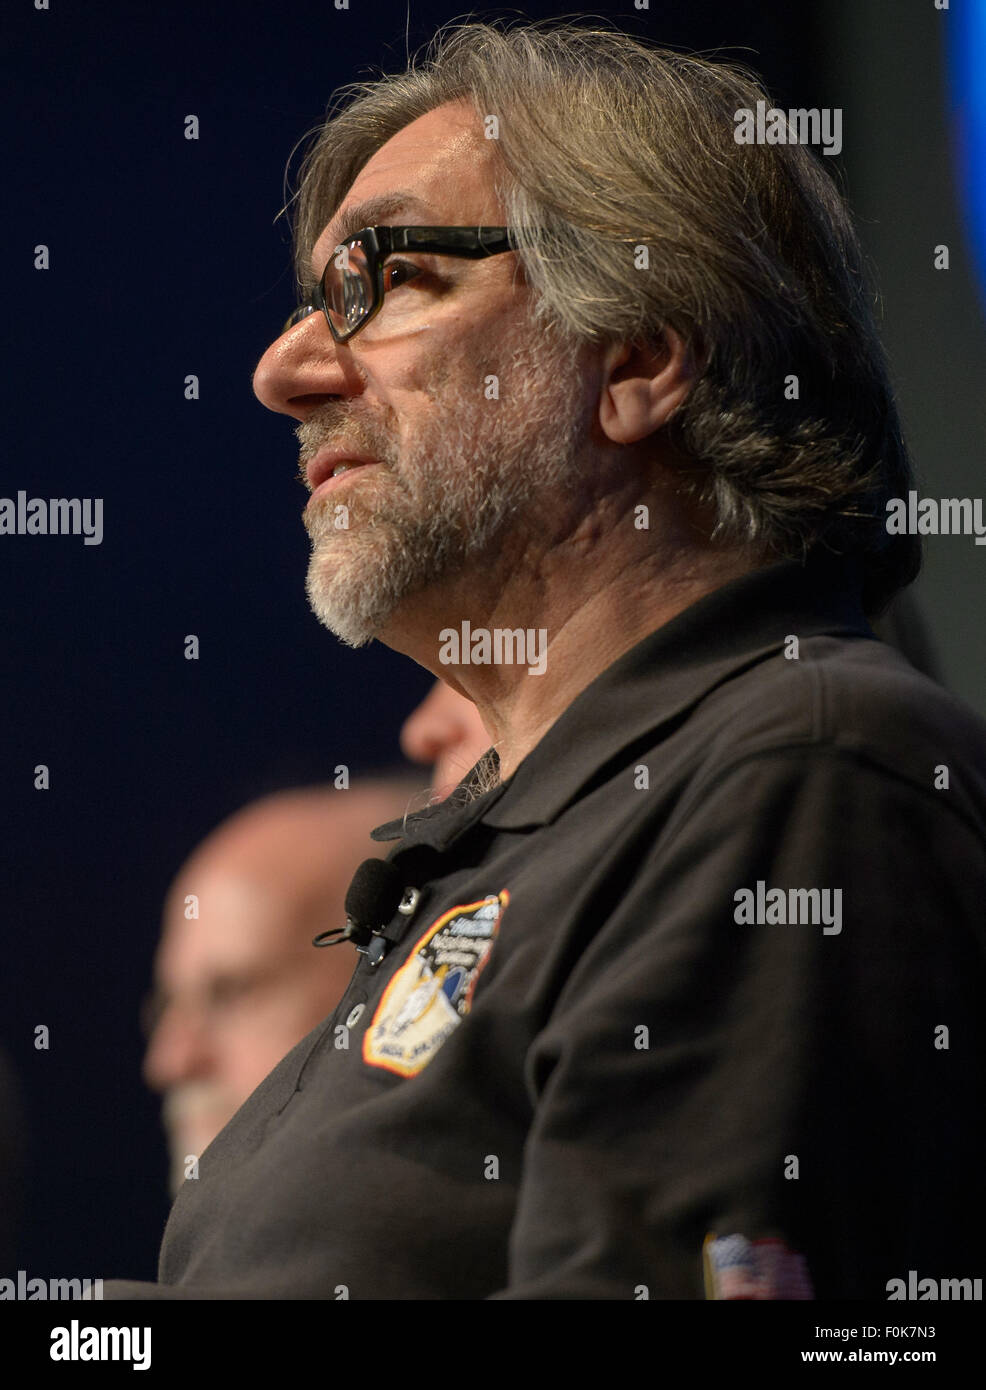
{"x": 642, "y": 385}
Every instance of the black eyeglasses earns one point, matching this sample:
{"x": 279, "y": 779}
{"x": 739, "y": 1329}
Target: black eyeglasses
{"x": 356, "y": 279}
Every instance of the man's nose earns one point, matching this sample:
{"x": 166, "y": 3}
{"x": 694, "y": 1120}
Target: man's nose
{"x": 179, "y": 1050}
{"x": 304, "y": 368}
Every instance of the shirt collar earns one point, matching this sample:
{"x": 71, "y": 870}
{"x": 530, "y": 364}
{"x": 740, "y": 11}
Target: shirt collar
{"x": 654, "y": 683}
{"x": 439, "y": 825}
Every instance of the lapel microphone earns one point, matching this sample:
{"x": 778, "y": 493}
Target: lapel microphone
{"x": 376, "y": 893}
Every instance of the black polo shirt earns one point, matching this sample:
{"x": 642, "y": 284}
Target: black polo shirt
{"x": 706, "y": 972}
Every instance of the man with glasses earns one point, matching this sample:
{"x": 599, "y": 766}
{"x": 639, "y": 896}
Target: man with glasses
{"x": 678, "y": 995}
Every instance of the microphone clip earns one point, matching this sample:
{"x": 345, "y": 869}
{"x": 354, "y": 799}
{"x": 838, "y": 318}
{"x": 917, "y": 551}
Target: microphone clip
{"x": 336, "y": 935}
{"x": 372, "y": 942}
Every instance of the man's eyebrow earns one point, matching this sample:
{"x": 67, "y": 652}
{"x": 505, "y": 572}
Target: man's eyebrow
{"x": 372, "y": 211}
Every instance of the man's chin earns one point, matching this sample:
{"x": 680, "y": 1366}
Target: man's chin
{"x": 195, "y": 1137}
{"x": 358, "y": 590}
{"x": 341, "y": 609}
{"x": 187, "y": 1142}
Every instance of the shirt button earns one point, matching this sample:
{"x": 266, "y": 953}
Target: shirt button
{"x": 355, "y": 1014}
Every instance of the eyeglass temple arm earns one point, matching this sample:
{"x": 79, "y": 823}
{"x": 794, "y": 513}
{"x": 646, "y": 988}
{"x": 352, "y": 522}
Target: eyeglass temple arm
{"x": 470, "y": 242}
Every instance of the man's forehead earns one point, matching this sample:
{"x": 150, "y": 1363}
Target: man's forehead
{"x": 442, "y": 153}
{"x": 240, "y": 924}
{"x": 353, "y": 217}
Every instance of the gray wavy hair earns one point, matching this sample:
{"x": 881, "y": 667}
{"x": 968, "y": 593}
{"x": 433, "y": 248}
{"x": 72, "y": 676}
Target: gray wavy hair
{"x": 608, "y": 144}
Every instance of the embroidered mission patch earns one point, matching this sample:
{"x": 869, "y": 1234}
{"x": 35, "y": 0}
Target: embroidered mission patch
{"x": 432, "y": 991}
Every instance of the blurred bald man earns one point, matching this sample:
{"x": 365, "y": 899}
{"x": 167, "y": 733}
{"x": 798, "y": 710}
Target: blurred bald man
{"x": 237, "y": 981}
{"x": 445, "y": 730}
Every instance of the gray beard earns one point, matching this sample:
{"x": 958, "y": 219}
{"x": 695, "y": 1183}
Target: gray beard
{"x": 480, "y": 470}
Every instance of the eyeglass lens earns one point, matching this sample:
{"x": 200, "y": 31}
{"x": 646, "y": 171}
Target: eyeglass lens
{"x": 348, "y": 286}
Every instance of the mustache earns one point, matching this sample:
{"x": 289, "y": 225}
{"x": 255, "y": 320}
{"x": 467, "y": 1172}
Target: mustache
{"x": 336, "y": 428}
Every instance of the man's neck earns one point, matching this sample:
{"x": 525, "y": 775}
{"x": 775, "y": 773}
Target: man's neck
{"x": 579, "y": 606}
{"x": 582, "y": 597}
{"x": 584, "y": 638}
